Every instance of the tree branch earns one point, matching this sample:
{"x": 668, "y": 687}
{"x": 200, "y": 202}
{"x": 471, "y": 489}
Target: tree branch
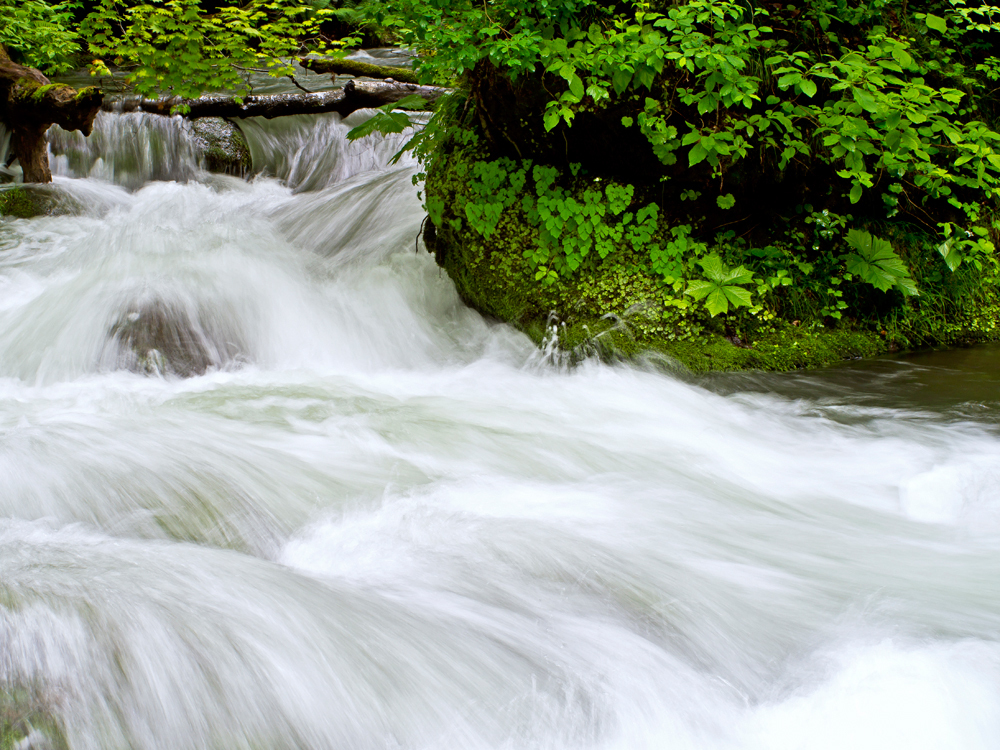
{"x": 354, "y": 96}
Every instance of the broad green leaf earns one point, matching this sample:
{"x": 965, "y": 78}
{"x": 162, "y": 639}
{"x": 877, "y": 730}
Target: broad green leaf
{"x": 620, "y": 80}
{"x": 722, "y": 287}
{"x": 697, "y": 154}
{"x": 952, "y": 257}
{"x": 936, "y": 23}
{"x": 576, "y": 87}
{"x": 876, "y": 262}
{"x": 717, "y": 302}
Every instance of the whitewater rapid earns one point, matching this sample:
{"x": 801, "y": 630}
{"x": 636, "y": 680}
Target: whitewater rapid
{"x": 373, "y": 519}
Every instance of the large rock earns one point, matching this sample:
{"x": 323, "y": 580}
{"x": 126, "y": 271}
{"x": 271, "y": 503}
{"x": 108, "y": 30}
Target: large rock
{"x": 27, "y": 201}
{"x": 222, "y": 145}
{"x": 159, "y": 337}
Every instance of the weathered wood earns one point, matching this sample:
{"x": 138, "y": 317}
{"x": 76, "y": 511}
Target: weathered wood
{"x": 345, "y": 67}
{"x": 354, "y": 96}
{"x": 29, "y": 104}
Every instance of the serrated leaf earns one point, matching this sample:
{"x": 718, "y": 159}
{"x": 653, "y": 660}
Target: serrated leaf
{"x": 717, "y": 302}
{"x": 877, "y": 263}
{"x": 700, "y": 288}
{"x": 737, "y": 296}
{"x": 721, "y": 289}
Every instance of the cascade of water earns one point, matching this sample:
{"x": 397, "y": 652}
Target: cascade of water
{"x": 266, "y": 482}
{"x": 127, "y": 149}
{"x": 311, "y": 152}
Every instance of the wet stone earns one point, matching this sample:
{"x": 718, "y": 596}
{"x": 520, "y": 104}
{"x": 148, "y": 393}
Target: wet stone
{"x": 223, "y": 147}
{"x": 157, "y": 337}
{"x": 29, "y": 201}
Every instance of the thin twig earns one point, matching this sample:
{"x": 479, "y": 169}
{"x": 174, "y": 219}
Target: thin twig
{"x": 291, "y": 78}
{"x": 416, "y": 241}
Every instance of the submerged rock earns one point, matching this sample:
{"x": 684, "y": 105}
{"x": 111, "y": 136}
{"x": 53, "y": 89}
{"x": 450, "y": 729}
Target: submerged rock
{"x": 157, "y": 337}
{"x": 223, "y": 146}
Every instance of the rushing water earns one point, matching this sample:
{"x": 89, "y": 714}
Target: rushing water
{"x": 372, "y": 519}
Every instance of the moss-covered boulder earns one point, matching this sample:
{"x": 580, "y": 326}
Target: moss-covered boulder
{"x": 631, "y": 285}
{"x": 223, "y": 146}
{"x": 27, "y": 201}
{"x": 622, "y": 313}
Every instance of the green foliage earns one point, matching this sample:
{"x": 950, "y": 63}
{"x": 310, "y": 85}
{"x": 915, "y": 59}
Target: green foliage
{"x": 175, "y": 46}
{"x": 387, "y": 119}
{"x": 577, "y": 226}
{"x": 876, "y": 262}
{"x": 715, "y": 83}
{"x": 40, "y": 34}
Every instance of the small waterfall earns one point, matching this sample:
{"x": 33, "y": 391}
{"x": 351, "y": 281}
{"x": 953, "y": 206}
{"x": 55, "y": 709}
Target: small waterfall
{"x": 128, "y": 149}
{"x": 311, "y": 152}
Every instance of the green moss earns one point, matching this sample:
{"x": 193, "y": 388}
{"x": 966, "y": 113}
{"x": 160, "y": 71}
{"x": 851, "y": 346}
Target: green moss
{"x": 23, "y": 89}
{"x": 19, "y": 203}
{"x": 39, "y": 93}
{"x": 358, "y": 68}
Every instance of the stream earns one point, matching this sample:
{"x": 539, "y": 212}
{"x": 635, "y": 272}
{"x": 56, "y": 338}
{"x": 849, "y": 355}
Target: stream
{"x": 266, "y": 482}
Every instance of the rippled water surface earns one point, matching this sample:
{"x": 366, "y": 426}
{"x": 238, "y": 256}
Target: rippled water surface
{"x": 265, "y": 482}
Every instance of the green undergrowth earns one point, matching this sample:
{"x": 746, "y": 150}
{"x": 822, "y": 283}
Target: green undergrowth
{"x": 602, "y": 267}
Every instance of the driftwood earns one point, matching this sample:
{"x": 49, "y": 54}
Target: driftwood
{"x": 355, "y": 95}
{"x": 30, "y": 103}
{"x": 345, "y": 67}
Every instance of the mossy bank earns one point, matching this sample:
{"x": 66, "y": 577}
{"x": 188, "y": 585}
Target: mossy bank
{"x": 491, "y": 228}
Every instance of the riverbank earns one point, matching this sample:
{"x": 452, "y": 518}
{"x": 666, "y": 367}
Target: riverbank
{"x": 641, "y": 280}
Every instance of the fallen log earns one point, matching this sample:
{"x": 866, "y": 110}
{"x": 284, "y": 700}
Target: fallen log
{"x": 30, "y": 103}
{"x": 345, "y": 67}
{"x": 354, "y": 96}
